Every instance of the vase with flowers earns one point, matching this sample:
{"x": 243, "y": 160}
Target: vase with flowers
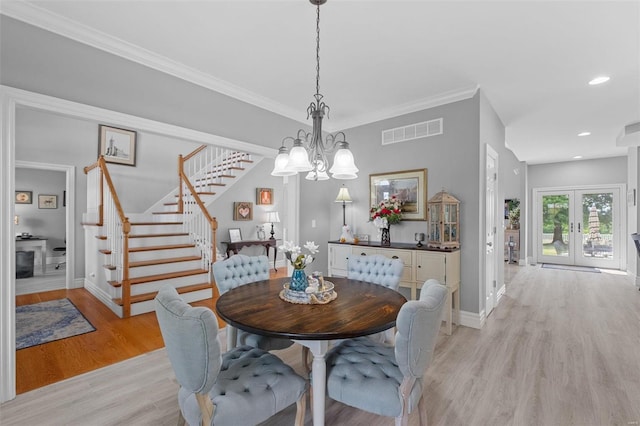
{"x": 299, "y": 261}
{"x": 388, "y": 212}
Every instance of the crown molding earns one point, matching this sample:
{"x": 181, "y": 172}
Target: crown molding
{"x": 414, "y": 106}
{"x": 65, "y": 27}
{"x": 101, "y": 115}
{"x": 49, "y": 21}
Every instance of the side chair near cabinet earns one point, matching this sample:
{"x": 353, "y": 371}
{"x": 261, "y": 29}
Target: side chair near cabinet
{"x": 377, "y": 269}
{"x": 384, "y": 380}
{"x": 234, "y": 272}
{"x": 244, "y": 386}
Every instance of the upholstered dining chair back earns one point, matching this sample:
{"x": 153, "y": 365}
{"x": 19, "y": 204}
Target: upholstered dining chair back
{"x": 376, "y": 269}
{"x": 385, "y": 380}
{"x": 240, "y": 270}
{"x": 218, "y": 388}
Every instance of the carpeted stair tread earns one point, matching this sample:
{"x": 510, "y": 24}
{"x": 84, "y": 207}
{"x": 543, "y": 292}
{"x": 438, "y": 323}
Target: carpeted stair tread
{"x": 150, "y": 296}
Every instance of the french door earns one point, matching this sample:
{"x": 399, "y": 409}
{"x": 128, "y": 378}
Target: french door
{"x": 579, "y": 226}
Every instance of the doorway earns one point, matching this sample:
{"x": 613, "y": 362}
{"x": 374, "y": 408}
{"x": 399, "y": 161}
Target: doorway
{"x": 579, "y": 226}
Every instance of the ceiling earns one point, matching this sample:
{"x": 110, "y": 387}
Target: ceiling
{"x": 531, "y": 59}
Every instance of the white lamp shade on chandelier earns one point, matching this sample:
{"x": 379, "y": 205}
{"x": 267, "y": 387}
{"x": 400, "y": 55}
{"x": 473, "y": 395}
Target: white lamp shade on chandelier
{"x": 309, "y": 151}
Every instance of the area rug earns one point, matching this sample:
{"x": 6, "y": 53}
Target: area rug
{"x": 45, "y": 322}
{"x": 571, "y": 268}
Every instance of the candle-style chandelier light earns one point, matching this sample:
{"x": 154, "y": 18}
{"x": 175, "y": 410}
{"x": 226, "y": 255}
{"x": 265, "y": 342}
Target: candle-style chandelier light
{"x": 309, "y": 152}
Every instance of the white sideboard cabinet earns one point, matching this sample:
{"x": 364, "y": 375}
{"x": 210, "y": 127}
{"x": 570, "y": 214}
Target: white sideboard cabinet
{"x": 420, "y": 264}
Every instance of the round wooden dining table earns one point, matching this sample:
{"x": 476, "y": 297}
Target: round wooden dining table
{"x": 359, "y": 309}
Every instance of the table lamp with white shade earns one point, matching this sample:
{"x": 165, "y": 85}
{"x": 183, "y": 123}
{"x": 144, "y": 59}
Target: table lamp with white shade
{"x": 343, "y": 197}
{"x": 272, "y": 217}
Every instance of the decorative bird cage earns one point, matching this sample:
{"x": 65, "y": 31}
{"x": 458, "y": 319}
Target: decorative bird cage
{"x": 444, "y": 221}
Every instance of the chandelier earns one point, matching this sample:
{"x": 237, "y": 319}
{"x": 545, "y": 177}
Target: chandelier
{"x": 309, "y": 152}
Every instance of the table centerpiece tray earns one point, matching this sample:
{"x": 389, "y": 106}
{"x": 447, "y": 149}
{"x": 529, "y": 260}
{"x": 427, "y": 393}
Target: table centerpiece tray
{"x": 320, "y": 296}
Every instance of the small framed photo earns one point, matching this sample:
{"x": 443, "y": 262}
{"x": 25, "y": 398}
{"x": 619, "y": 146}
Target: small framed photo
{"x": 24, "y": 197}
{"x": 235, "y": 235}
{"x": 47, "y": 201}
{"x": 242, "y": 210}
{"x": 117, "y": 145}
{"x": 264, "y": 196}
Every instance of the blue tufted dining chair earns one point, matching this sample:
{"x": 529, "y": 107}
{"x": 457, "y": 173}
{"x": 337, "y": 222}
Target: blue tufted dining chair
{"x": 234, "y": 272}
{"x": 244, "y": 386}
{"x": 385, "y": 380}
{"x": 377, "y": 269}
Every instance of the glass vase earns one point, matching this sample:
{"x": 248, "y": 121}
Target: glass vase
{"x": 385, "y": 239}
{"x": 298, "y": 280}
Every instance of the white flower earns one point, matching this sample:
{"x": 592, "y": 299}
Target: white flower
{"x": 294, "y": 254}
{"x": 381, "y": 222}
{"x": 312, "y": 247}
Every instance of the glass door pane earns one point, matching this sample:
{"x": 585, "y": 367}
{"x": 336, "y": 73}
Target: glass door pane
{"x": 555, "y": 229}
{"x": 598, "y": 235}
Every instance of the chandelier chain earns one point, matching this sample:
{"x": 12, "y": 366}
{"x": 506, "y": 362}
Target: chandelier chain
{"x": 318, "y": 49}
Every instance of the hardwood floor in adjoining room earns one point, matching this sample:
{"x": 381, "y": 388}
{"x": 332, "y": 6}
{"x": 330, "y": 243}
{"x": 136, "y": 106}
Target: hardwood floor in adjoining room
{"x": 561, "y": 348}
{"x": 114, "y": 340}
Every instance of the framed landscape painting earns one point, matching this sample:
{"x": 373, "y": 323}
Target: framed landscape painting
{"x": 408, "y": 186}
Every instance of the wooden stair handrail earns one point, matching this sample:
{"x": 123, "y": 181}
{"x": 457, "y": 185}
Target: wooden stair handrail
{"x": 126, "y": 229}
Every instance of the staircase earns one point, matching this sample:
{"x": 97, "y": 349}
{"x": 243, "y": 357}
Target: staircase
{"x": 171, "y": 243}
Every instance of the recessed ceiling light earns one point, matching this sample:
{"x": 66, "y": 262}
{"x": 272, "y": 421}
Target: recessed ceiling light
{"x": 599, "y": 80}
{"x": 584, "y": 134}
{"x": 577, "y": 157}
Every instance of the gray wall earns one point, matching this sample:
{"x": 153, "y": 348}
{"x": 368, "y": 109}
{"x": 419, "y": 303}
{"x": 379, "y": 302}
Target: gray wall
{"x": 46, "y": 223}
{"x": 573, "y": 173}
{"x": 451, "y": 161}
{"x": 49, "y": 138}
{"x": 36, "y": 60}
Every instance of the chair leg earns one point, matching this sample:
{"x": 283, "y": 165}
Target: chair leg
{"x": 422, "y": 409}
{"x": 301, "y": 409}
{"x": 206, "y": 407}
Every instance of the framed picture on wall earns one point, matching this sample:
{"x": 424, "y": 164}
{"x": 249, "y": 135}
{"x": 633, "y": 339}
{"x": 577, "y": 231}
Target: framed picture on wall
{"x": 117, "y": 145}
{"x": 408, "y": 186}
{"x": 242, "y": 210}
{"x": 47, "y": 201}
{"x": 24, "y": 197}
{"x": 264, "y": 196}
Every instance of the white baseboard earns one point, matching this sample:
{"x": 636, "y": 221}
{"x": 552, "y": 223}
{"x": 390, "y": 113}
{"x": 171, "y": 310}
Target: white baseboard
{"x": 104, "y": 297}
{"x": 471, "y": 319}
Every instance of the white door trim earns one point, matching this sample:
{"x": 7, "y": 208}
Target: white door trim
{"x": 490, "y": 290}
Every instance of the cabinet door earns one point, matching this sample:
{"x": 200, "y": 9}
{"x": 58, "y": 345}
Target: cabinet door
{"x": 338, "y": 258}
{"x": 430, "y": 265}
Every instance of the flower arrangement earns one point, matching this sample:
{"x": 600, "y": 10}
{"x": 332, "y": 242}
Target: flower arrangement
{"x": 293, "y": 253}
{"x": 387, "y": 212}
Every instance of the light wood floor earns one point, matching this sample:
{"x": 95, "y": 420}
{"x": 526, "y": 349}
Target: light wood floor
{"x": 561, "y": 348}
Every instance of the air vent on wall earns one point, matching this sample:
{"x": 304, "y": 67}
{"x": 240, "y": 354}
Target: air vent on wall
{"x": 412, "y": 131}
